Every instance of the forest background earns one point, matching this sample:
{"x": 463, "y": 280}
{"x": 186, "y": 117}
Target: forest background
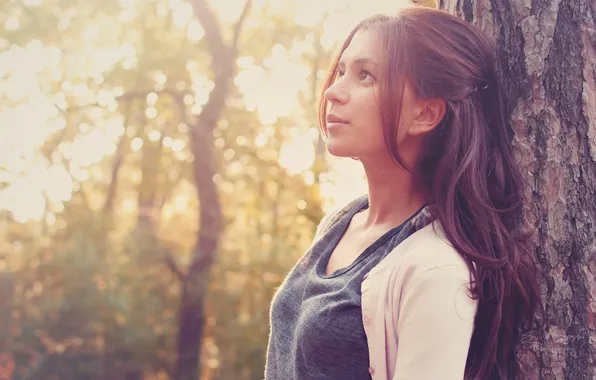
{"x": 161, "y": 170}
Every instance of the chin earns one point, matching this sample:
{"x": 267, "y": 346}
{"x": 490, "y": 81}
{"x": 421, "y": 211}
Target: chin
{"x": 340, "y": 150}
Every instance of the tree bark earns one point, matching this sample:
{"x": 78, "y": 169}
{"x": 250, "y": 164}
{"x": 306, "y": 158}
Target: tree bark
{"x": 547, "y": 50}
{"x": 195, "y": 281}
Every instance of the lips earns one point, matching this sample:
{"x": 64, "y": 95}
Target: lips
{"x": 332, "y": 119}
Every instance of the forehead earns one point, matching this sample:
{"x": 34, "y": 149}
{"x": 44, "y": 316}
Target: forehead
{"x": 364, "y": 44}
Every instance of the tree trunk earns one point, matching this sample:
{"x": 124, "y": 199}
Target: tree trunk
{"x": 195, "y": 281}
{"x": 151, "y": 157}
{"x": 547, "y": 50}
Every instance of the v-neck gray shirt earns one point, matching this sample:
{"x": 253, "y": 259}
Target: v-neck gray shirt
{"x": 316, "y": 320}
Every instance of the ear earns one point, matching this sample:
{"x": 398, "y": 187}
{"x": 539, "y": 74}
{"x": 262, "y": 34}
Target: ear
{"x": 429, "y": 113}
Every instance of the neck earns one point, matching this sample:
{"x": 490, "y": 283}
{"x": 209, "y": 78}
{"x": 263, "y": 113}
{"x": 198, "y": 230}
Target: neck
{"x": 392, "y": 194}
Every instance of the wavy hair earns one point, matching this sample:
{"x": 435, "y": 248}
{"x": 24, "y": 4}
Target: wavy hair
{"x": 468, "y": 169}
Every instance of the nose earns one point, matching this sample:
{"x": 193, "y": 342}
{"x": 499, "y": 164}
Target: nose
{"x": 336, "y": 93}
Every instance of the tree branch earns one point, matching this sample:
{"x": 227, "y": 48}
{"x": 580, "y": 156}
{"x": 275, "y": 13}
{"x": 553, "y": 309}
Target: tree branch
{"x": 173, "y": 265}
{"x": 174, "y": 93}
{"x": 213, "y": 37}
{"x": 50, "y": 146}
{"x": 240, "y": 22}
{"x": 116, "y": 165}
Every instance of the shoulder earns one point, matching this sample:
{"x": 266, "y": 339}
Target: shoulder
{"x": 324, "y": 222}
{"x": 430, "y": 248}
{"x": 433, "y": 275}
{"x": 438, "y": 279}
{"x": 335, "y": 214}
{"x": 419, "y": 308}
{"x": 423, "y": 258}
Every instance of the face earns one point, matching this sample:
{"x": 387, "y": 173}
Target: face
{"x": 354, "y": 124}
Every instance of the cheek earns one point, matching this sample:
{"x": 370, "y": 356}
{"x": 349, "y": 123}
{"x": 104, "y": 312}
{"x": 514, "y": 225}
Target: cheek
{"x": 371, "y": 119}
{"x": 370, "y": 107}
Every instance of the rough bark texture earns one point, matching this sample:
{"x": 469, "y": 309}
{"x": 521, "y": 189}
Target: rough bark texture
{"x": 547, "y": 50}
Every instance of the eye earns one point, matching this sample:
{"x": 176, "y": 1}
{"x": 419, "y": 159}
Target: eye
{"x": 364, "y": 75}
{"x": 340, "y": 73}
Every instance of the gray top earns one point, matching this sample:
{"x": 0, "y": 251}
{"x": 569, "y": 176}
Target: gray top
{"x": 316, "y": 320}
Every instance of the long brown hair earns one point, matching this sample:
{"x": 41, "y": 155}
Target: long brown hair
{"x": 468, "y": 168}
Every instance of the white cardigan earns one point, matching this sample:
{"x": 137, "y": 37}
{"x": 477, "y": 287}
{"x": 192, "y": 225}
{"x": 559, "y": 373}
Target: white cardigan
{"x": 416, "y": 311}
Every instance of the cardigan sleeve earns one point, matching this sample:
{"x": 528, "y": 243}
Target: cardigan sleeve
{"x": 435, "y": 324}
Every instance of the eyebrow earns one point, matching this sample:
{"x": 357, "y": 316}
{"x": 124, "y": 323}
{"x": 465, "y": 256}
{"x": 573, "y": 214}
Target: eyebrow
{"x": 358, "y": 61}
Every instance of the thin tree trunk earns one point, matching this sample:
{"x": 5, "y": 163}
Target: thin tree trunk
{"x": 118, "y": 160}
{"x": 112, "y": 190}
{"x": 547, "y": 49}
{"x": 194, "y": 283}
{"x": 147, "y": 202}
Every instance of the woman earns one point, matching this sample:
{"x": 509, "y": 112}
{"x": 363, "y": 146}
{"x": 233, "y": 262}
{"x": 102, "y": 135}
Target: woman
{"x": 427, "y": 276}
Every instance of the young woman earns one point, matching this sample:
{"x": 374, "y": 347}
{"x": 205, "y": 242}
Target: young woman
{"x": 426, "y": 277}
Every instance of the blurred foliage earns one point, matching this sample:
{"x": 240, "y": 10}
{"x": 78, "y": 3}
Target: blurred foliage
{"x": 86, "y": 289}
{"x": 426, "y": 3}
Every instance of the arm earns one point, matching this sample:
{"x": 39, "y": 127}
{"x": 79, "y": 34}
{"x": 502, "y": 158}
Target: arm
{"x": 436, "y": 320}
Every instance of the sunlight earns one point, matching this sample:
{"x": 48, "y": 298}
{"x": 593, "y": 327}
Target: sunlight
{"x": 182, "y": 13}
{"x": 34, "y": 116}
{"x": 272, "y": 91}
{"x": 12, "y": 24}
{"x": 23, "y": 202}
{"x": 297, "y": 154}
{"x": 33, "y": 112}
